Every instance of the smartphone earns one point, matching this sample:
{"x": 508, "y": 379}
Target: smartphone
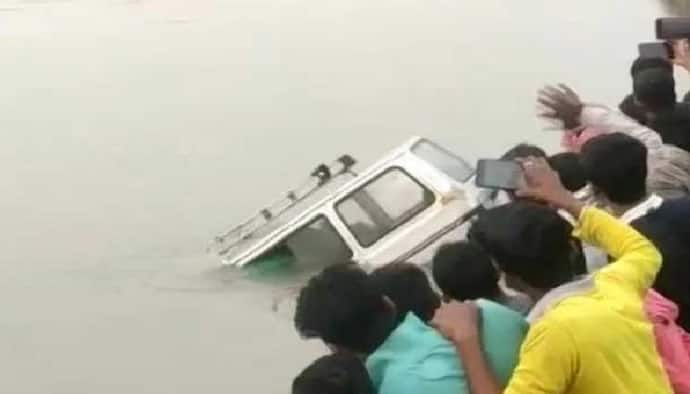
{"x": 499, "y": 174}
{"x": 672, "y": 28}
{"x": 655, "y": 49}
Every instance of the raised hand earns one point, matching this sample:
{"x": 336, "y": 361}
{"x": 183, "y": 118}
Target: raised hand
{"x": 560, "y": 103}
{"x": 457, "y": 321}
{"x": 543, "y": 183}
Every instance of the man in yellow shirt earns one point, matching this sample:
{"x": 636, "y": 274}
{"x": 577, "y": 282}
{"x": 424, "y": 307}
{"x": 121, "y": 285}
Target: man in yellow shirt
{"x": 589, "y": 336}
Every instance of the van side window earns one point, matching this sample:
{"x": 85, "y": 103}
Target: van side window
{"x": 386, "y": 202}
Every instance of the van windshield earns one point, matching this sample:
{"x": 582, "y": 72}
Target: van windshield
{"x": 448, "y": 163}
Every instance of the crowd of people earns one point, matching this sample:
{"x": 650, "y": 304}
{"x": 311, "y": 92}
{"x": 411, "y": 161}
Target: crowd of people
{"x": 577, "y": 282}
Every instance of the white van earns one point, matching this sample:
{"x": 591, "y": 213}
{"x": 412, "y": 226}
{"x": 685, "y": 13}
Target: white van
{"x": 398, "y": 209}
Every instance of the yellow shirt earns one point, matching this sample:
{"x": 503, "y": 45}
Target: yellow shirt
{"x": 598, "y": 341}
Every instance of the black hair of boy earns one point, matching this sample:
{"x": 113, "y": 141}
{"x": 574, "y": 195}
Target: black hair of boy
{"x": 646, "y": 63}
{"x": 569, "y": 169}
{"x": 633, "y": 109}
{"x": 463, "y": 271}
{"x": 523, "y": 151}
{"x": 530, "y": 242}
{"x": 338, "y": 373}
{"x": 616, "y": 166}
{"x": 408, "y": 287}
{"x": 655, "y": 89}
{"x": 341, "y": 306}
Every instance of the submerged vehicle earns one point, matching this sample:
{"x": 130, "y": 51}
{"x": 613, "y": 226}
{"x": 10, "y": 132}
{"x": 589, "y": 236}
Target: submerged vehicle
{"x": 397, "y": 209}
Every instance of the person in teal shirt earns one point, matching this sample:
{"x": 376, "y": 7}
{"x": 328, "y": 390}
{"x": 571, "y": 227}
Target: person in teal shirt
{"x": 343, "y": 307}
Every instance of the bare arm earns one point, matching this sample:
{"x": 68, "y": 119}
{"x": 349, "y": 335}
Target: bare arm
{"x": 481, "y": 379}
{"x": 541, "y": 370}
{"x": 459, "y": 322}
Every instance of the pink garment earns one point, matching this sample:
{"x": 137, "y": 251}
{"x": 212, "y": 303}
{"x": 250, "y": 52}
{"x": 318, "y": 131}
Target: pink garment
{"x": 572, "y": 140}
{"x": 672, "y": 342}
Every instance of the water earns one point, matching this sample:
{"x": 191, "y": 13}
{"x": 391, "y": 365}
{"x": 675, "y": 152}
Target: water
{"x": 134, "y": 130}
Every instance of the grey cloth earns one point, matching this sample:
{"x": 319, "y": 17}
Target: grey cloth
{"x": 670, "y": 175}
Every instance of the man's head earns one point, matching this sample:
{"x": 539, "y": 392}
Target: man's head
{"x": 338, "y": 373}
{"x": 342, "y": 307}
{"x": 523, "y": 151}
{"x": 569, "y": 169}
{"x": 531, "y": 244}
{"x": 647, "y": 63}
{"x": 655, "y": 89}
{"x": 408, "y": 287}
{"x": 463, "y": 271}
{"x": 616, "y": 167}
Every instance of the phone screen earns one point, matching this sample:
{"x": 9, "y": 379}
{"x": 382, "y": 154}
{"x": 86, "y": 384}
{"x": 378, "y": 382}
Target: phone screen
{"x": 655, "y": 49}
{"x": 498, "y": 174}
{"x": 672, "y": 28}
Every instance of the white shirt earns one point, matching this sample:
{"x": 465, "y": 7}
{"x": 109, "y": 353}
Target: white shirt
{"x": 595, "y": 257}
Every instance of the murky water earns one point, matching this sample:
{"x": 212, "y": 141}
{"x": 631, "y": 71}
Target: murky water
{"x": 133, "y": 130}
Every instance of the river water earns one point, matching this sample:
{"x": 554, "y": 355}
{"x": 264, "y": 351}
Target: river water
{"x": 132, "y": 131}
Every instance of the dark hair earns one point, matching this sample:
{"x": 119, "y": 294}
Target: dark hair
{"x": 338, "y": 373}
{"x": 408, "y": 287}
{"x": 646, "y": 63}
{"x": 616, "y": 165}
{"x": 633, "y": 110}
{"x": 341, "y": 306}
{"x": 673, "y": 126}
{"x": 571, "y": 173}
{"x": 523, "y": 151}
{"x": 463, "y": 271}
{"x": 527, "y": 240}
{"x": 655, "y": 89}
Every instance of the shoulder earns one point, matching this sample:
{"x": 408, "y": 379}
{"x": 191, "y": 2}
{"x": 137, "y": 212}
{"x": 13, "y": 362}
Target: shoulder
{"x": 493, "y": 311}
{"x": 501, "y": 324}
{"x": 552, "y": 330}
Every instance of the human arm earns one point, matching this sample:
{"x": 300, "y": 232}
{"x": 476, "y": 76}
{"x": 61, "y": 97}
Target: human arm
{"x": 637, "y": 261}
{"x": 459, "y": 322}
{"x": 561, "y": 103}
{"x": 540, "y": 370}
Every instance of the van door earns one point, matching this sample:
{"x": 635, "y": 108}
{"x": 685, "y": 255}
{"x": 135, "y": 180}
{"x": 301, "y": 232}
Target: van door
{"x": 393, "y": 213}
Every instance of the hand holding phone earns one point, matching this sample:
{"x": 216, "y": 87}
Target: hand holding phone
{"x": 542, "y": 183}
{"x": 499, "y": 174}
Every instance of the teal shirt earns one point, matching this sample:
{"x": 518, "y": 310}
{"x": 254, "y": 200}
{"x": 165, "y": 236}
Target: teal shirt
{"x": 416, "y": 359}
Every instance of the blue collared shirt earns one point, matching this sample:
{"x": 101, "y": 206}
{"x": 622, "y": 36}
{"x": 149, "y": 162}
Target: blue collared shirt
{"x": 416, "y": 359}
